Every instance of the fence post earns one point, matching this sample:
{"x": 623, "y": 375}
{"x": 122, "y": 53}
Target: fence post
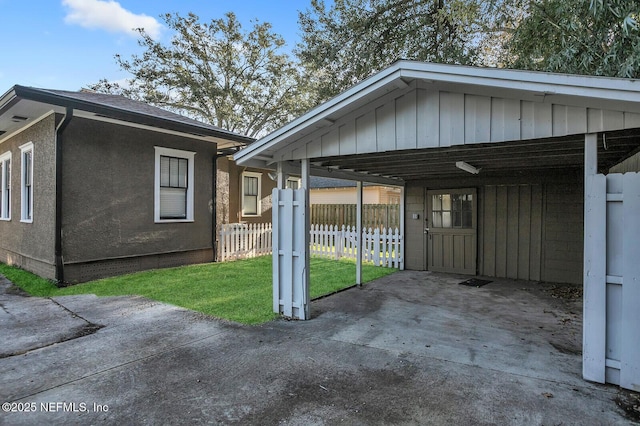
{"x": 376, "y": 246}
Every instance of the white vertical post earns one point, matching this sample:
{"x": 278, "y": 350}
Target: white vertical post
{"x": 595, "y": 255}
{"x": 630, "y": 356}
{"x": 306, "y": 211}
{"x": 359, "y": 242}
{"x": 280, "y": 176}
{"x": 401, "y": 230}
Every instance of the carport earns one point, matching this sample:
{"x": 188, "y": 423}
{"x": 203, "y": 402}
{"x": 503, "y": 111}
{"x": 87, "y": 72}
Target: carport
{"x": 503, "y": 174}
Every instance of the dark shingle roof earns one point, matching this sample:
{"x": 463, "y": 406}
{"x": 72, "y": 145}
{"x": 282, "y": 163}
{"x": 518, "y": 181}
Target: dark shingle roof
{"x": 126, "y": 109}
{"x": 317, "y": 182}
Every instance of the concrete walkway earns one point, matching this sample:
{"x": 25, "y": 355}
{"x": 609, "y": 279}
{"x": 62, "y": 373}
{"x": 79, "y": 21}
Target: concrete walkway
{"x": 411, "y": 348}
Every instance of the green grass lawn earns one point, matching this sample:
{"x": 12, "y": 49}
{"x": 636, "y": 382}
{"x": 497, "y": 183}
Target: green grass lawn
{"x": 238, "y": 291}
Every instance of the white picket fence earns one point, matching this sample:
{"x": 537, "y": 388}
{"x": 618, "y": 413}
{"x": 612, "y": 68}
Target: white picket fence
{"x": 382, "y": 248}
{"x": 244, "y": 240}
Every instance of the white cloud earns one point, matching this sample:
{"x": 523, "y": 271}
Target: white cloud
{"x": 110, "y": 16}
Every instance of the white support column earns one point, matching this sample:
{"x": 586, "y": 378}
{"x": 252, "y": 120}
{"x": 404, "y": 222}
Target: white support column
{"x": 594, "y": 274}
{"x": 590, "y": 155}
{"x": 304, "y": 183}
{"x": 280, "y": 174}
{"x": 402, "y": 236}
{"x": 359, "y": 231}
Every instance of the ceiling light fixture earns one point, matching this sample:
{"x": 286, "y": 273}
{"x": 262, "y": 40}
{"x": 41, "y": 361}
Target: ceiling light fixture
{"x": 467, "y": 167}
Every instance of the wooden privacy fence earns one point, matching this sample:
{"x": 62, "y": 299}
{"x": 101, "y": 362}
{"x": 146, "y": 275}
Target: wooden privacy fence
{"x": 381, "y": 247}
{"x": 373, "y": 215}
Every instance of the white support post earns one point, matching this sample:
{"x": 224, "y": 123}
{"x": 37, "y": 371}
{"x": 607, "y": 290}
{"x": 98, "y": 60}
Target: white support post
{"x": 401, "y": 230}
{"x": 280, "y": 176}
{"x": 595, "y": 255}
{"x": 590, "y": 154}
{"x": 359, "y": 241}
{"x": 304, "y": 183}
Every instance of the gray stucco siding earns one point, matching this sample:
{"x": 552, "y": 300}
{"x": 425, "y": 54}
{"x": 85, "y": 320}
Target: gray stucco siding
{"x": 108, "y": 193}
{"x": 31, "y": 245}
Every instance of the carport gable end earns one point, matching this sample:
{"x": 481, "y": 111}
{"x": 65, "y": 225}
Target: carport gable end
{"x": 526, "y": 132}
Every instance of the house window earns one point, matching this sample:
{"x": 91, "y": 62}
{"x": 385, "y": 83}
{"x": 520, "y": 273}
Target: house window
{"x": 174, "y": 185}
{"x": 26, "y": 183}
{"x": 293, "y": 183}
{"x": 251, "y": 183}
{"x": 5, "y": 186}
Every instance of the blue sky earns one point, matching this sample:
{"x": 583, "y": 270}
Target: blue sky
{"x": 68, "y": 44}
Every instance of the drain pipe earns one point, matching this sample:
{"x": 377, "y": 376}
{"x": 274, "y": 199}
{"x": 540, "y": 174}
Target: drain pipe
{"x": 214, "y": 206}
{"x": 58, "y": 222}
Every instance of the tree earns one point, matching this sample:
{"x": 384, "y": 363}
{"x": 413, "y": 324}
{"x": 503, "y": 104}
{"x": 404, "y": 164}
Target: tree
{"x": 600, "y": 37}
{"x": 215, "y": 72}
{"x": 353, "y": 39}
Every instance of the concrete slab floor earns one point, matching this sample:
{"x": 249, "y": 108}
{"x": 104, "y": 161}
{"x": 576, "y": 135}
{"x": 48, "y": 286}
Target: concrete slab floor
{"x": 411, "y": 348}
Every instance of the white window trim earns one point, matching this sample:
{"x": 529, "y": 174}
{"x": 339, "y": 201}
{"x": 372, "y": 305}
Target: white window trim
{"x": 293, "y": 179}
{"x": 5, "y": 202}
{"x": 23, "y": 206}
{"x": 259, "y": 201}
{"x": 169, "y": 152}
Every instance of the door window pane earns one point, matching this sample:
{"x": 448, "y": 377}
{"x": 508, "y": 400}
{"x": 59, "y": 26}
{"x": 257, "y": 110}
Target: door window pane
{"x": 446, "y": 219}
{"x": 467, "y": 219}
{"x": 446, "y": 202}
{"x": 437, "y": 219}
{"x": 452, "y": 211}
{"x": 437, "y": 202}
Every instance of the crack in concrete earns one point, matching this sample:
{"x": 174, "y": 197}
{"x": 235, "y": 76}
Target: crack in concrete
{"x": 86, "y": 330}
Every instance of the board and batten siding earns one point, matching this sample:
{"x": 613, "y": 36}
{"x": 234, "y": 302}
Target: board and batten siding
{"x": 510, "y": 219}
{"x": 525, "y": 231}
{"x": 631, "y": 164}
{"x": 430, "y": 118}
{"x": 414, "y": 236}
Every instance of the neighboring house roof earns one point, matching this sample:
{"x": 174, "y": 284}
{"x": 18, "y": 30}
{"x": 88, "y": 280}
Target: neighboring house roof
{"x": 30, "y": 103}
{"x": 317, "y": 182}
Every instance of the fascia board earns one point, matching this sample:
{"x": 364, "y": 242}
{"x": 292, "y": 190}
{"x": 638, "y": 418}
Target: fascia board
{"x": 322, "y": 112}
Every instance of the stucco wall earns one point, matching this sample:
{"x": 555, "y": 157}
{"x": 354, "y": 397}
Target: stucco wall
{"x": 370, "y": 195}
{"x": 232, "y": 211}
{"x": 31, "y": 245}
{"x": 528, "y": 228}
{"x": 108, "y": 194}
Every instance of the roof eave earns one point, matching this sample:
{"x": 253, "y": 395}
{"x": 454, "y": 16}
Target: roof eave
{"x": 524, "y": 81}
{"x": 33, "y": 94}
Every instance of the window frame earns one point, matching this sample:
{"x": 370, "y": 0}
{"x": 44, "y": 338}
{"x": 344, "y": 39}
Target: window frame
{"x": 181, "y": 154}
{"x": 26, "y": 188}
{"x": 433, "y": 209}
{"x": 290, "y": 180}
{"x": 258, "y": 196}
{"x": 5, "y": 184}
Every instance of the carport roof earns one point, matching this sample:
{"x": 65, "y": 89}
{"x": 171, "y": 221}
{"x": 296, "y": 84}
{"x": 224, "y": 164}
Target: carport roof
{"x": 525, "y": 153}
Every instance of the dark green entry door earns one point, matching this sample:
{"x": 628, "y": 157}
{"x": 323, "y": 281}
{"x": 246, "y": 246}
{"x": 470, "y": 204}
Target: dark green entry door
{"x": 452, "y": 230}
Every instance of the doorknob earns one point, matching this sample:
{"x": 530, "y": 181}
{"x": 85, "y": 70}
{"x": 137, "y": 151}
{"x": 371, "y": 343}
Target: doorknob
{"x": 426, "y": 230}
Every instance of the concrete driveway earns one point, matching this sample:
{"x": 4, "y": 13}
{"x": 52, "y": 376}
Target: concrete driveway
{"x": 411, "y": 348}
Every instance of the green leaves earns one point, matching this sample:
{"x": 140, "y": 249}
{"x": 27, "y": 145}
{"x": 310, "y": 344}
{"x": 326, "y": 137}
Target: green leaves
{"x": 243, "y": 81}
{"x": 353, "y": 39}
{"x": 572, "y": 36}
{"x": 217, "y": 73}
